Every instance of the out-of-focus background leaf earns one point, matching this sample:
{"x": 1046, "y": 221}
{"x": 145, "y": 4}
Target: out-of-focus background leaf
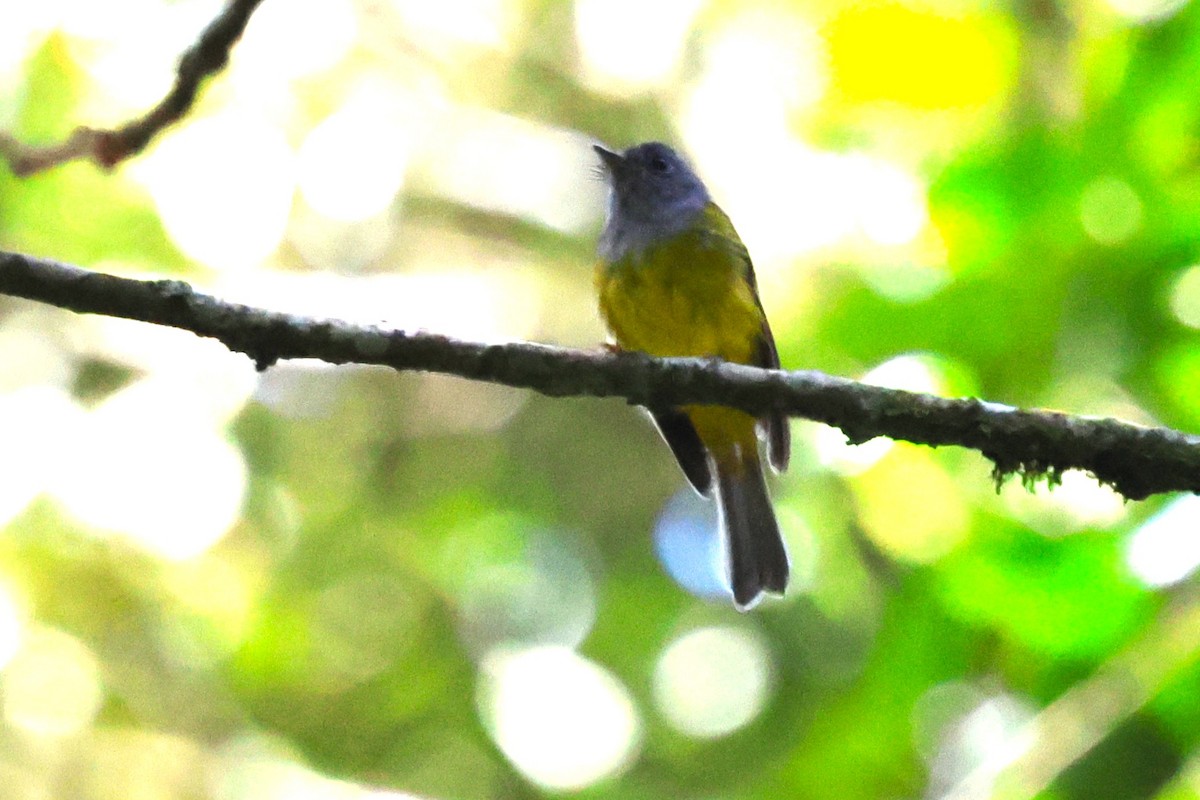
{"x": 348, "y": 583}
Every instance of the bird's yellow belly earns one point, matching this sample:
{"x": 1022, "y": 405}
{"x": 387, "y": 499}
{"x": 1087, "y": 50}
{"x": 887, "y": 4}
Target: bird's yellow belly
{"x": 684, "y": 300}
{"x": 669, "y": 303}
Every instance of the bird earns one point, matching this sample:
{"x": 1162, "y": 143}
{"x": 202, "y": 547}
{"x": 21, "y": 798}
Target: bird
{"x": 675, "y": 279}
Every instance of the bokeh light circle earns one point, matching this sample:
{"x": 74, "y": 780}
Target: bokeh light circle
{"x": 52, "y": 687}
{"x": 563, "y": 721}
{"x": 1185, "y": 297}
{"x": 1110, "y": 210}
{"x": 712, "y": 681}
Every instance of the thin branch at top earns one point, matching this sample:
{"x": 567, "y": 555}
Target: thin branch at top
{"x": 1135, "y": 460}
{"x": 110, "y": 147}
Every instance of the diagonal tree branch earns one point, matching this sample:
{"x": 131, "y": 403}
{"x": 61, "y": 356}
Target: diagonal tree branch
{"x": 108, "y": 148}
{"x": 1135, "y": 460}
{"x": 1074, "y": 724}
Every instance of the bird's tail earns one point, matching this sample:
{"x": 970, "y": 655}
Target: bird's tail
{"x": 757, "y": 560}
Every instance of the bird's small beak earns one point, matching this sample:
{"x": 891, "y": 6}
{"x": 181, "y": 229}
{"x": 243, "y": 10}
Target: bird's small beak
{"x": 612, "y": 161}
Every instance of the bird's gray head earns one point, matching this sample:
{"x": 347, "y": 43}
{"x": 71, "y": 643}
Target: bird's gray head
{"x": 654, "y": 195}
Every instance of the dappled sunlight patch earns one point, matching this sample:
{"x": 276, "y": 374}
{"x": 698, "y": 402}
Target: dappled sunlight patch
{"x": 968, "y": 734}
{"x": 193, "y": 378}
{"x": 892, "y": 201}
{"x": 907, "y": 281}
{"x": 1165, "y": 549}
{"x": 223, "y": 188}
{"x": 484, "y": 300}
{"x": 341, "y": 246}
{"x": 453, "y": 27}
{"x": 32, "y": 358}
{"x": 623, "y": 58}
{"x": 838, "y": 454}
{"x": 213, "y": 600}
{"x": 255, "y": 768}
{"x": 1146, "y": 11}
{"x": 303, "y": 388}
{"x": 835, "y": 200}
{"x": 293, "y": 41}
{"x": 758, "y": 65}
{"x": 564, "y": 722}
{"x": 51, "y": 685}
{"x": 173, "y": 492}
{"x": 36, "y": 424}
{"x": 25, "y": 26}
{"x": 712, "y": 681}
{"x": 130, "y": 763}
{"x": 501, "y": 163}
{"x": 910, "y": 507}
{"x": 352, "y": 164}
{"x": 911, "y": 372}
{"x": 1073, "y": 502}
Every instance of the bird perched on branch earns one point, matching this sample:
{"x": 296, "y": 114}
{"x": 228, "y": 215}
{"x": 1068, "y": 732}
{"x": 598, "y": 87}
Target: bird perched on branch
{"x": 674, "y": 279}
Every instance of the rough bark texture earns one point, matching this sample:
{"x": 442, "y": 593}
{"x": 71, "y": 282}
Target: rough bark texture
{"x": 1135, "y": 460}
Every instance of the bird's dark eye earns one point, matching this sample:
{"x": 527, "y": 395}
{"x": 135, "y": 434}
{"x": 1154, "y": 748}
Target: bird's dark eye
{"x": 659, "y": 164}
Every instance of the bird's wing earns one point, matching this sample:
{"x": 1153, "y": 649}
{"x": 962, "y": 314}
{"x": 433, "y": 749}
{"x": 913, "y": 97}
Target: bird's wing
{"x": 766, "y": 354}
{"x": 680, "y": 435}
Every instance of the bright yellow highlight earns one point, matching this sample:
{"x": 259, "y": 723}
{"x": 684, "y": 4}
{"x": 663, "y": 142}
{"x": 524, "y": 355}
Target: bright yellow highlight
{"x": 213, "y": 605}
{"x": 909, "y": 506}
{"x": 891, "y": 52}
{"x": 52, "y": 686}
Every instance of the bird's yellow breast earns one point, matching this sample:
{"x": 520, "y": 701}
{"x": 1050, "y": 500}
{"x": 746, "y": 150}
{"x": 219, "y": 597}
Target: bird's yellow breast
{"x": 688, "y": 296}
